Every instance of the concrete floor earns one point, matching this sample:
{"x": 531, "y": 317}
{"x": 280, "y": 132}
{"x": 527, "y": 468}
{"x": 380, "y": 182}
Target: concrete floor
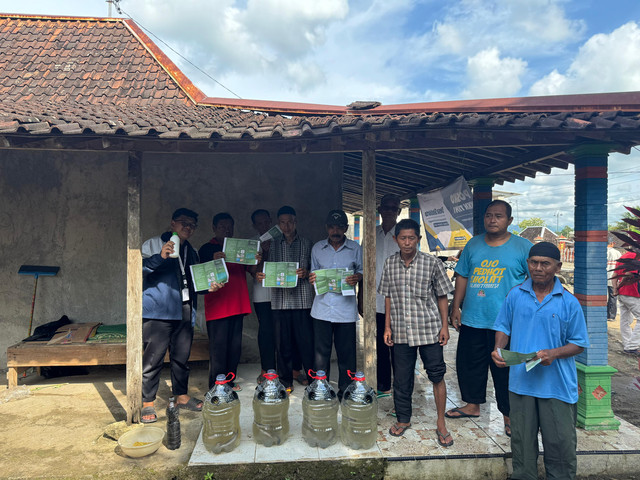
{"x": 53, "y": 429}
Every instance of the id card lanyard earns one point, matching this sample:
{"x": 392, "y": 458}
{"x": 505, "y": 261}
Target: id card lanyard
{"x": 185, "y": 286}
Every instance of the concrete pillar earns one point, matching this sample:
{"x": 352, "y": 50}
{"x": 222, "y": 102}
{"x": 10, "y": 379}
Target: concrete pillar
{"x": 590, "y": 286}
{"x": 482, "y": 196}
{"x": 356, "y": 228}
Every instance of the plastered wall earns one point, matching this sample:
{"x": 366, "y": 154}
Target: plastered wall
{"x": 69, "y": 209}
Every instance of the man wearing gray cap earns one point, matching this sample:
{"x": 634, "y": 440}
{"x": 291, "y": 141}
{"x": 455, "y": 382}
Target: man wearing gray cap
{"x": 334, "y": 315}
{"x": 542, "y": 318}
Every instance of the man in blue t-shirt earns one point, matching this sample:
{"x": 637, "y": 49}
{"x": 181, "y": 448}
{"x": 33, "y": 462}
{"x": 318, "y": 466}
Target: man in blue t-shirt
{"x": 490, "y": 266}
{"x": 541, "y": 318}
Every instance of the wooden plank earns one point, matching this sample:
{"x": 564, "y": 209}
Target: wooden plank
{"x": 39, "y": 354}
{"x": 12, "y": 377}
{"x": 369, "y": 261}
{"x": 134, "y": 289}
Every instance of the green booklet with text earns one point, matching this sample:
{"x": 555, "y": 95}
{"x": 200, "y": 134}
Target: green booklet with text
{"x": 203, "y": 274}
{"x": 241, "y": 250}
{"x": 331, "y": 280}
{"x": 280, "y": 274}
{"x": 515, "y": 358}
{"x": 273, "y": 233}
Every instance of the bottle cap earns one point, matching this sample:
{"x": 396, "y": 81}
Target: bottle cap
{"x": 222, "y": 379}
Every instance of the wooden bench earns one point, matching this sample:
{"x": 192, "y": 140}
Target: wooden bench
{"x": 24, "y": 355}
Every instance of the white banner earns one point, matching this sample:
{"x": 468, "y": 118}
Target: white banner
{"x": 447, "y": 214}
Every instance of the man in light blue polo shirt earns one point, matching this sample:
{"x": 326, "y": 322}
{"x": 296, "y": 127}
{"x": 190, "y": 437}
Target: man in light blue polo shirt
{"x": 334, "y": 315}
{"x": 541, "y": 316}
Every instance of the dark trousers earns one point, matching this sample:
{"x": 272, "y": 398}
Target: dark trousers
{"x": 225, "y": 346}
{"x": 473, "y": 359}
{"x": 612, "y": 304}
{"x": 385, "y": 356}
{"x": 404, "y": 364}
{"x": 294, "y": 335}
{"x": 157, "y": 336}
{"x": 343, "y": 336}
{"x": 266, "y": 335}
{"x": 556, "y": 421}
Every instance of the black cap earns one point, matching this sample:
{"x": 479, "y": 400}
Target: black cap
{"x": 545, "y": 249}
{"x": 337, "y": 217}
{"x": 286, "y": 210}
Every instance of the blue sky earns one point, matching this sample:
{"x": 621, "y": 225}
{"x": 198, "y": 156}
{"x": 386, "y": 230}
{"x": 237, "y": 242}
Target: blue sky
{"x": 403, "y": 51}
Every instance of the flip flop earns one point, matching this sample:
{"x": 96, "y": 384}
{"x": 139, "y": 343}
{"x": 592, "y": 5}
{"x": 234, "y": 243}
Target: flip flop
{"x": 507, "y": 429}
{"x": 460, "y": 413}
{"x": 443, "y": 437}
{"x": 147, "y": 412}
{"x": 400, "y": 429}
{"x": 236, "y": 388}
{"x": 192, "y": 404}
{"x": 381, "y": 394}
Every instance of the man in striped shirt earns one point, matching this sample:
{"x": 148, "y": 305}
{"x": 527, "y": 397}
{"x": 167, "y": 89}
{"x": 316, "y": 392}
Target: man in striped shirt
{"x": 415, "y": 286}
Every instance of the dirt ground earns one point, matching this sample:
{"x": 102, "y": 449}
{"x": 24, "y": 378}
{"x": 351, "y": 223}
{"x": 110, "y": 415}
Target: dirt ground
{"x": 625, "y": 398}
{"x": 54, "y": 428}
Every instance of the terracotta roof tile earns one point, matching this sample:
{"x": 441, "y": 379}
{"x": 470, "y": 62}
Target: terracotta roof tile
{"x": 66, "y": 59}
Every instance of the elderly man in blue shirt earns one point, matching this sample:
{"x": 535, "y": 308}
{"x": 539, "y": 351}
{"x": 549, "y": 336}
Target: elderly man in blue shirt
{"x": 334, "y": 315}
{"x": 541, "y": 316}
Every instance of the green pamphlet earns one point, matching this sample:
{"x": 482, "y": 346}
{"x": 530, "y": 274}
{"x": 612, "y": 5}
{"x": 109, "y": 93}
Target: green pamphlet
{"x": 273, "y": 233}
{"x": 280, "y": 274}
{"x": 515, "y": 358}
{"x": 241, "y": 250}
{"x": 203, "y": 274}
{"x": 331, "y": 280}
{"x": 347, "y": 290}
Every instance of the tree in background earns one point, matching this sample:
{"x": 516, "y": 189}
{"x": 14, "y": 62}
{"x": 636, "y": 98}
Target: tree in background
{"x": 567, "y": 231}
{"x": 531, "y": 222}
{"x": 622, "y": 224}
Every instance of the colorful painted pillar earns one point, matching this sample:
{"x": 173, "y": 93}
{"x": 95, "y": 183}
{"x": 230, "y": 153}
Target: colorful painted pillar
{"x": 356, "y": 228}
{"x": 590, "y": 287}
{"x": 482, "y": 196}
{"x": 414, "y": 213}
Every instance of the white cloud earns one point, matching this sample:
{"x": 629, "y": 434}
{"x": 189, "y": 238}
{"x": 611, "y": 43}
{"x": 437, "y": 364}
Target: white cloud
{"x": 492, "y": 76}
{"x": 538, "y": 27}
{"x": 605, "y": 63}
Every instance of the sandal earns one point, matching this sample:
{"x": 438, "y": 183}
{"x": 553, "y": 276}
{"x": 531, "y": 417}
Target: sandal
{"x": 400, "y": 429}
{"x": 148, "y": 412}
{"x": 302, "y": 379}
{"x": 442, "y": 437}
{"x": 236, "y": 388}
{"x": 507, "y": 429}
{"x": 192, "y": 404}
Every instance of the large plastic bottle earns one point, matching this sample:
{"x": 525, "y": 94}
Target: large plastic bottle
{"x": 270, "y": 411}
{"x": 320, "y": 412}
{"x": 221, "y": 417}
{"x": 359, "y": 407}
{"x": 174, "y": 438}
{"x": 176, "y": 245}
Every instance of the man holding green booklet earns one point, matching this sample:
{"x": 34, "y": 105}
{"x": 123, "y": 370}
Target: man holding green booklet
{"x": 291, "y": 307}
{"x": 540, "y": 316}
{"x": 334, "y": 315}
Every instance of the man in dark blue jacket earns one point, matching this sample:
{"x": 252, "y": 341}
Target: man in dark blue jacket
{"x": 168, "y": 312}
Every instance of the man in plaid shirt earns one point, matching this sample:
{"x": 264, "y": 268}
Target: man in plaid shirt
{"x": 291, "y": 307}
{"x": 415, "y": 287}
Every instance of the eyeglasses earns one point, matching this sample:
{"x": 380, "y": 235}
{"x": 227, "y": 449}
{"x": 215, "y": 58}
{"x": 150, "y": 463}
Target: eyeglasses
{"x": 189, "y": 225}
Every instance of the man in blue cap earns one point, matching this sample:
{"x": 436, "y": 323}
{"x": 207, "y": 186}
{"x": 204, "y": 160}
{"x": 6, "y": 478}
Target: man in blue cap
{"x": 541, "y": 317}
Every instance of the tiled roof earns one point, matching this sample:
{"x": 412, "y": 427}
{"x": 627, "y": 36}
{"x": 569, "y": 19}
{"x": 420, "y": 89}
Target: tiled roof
{"x": 93, "y": 61}
{"x": 173, "y": 120}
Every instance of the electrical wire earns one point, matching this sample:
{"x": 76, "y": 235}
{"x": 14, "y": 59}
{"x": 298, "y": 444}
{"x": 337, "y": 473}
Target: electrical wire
{"x": 121, "y": 11}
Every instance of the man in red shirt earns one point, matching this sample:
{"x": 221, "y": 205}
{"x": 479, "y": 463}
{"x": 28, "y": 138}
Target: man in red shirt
{"x": 629, "y": 299}
{"x": 225, "y": 309}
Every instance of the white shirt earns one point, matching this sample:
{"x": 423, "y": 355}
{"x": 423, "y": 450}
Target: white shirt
{"x": 386, "y": 246}
{"x": 260, "y": 293}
